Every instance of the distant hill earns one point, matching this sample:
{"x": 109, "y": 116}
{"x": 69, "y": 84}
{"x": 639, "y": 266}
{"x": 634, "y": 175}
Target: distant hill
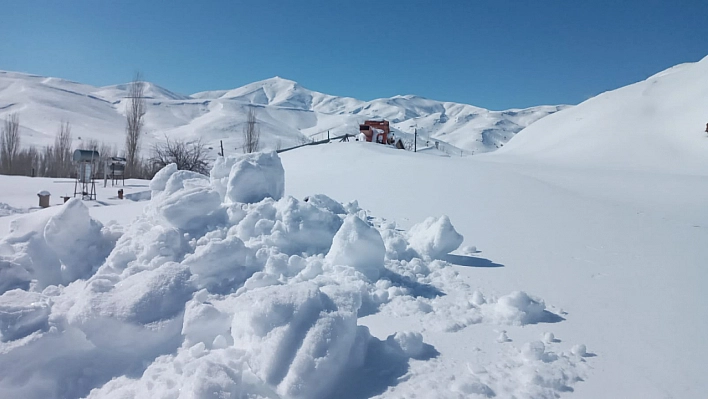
{"x": 287, "y": 114}
{"x": 656, "y": 124}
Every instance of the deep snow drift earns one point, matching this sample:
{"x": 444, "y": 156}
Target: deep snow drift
{"x": 287, "y": 114}
{"x": 657, "y": 124}
{"x": 226, "y": 288}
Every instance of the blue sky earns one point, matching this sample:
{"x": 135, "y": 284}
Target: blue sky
{"x": 493, "y": 54}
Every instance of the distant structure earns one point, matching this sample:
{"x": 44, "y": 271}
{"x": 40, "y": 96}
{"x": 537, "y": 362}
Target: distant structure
{"x": 85, "y": 183}
{"x": 380, "y": 132}
{"x": 117, "y": 170}
{"x": 375, "y": 131}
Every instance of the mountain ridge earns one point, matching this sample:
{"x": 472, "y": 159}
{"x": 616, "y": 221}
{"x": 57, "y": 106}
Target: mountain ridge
{"x": 288, "y": 113}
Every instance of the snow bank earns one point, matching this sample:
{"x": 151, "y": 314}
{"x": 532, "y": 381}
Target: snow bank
{"x": 46, "y": 249}
{"x": 225, "y": 288}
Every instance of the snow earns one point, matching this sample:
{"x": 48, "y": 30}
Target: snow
{"x": 358, "y": 245}
{"x": 263, "y": 174}
{"x": 434, "y": 237}
{"x": 532, "y": 272}
{"x": 662, "y": 119}
{"x": 287, "y": 114}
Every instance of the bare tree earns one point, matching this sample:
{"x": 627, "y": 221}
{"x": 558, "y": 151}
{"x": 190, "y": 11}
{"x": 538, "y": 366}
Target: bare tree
{"x": 9, "y": 143}
{"x": 27, "y": 162}
{"x": 62, "y": 152}
{"x": 188, "y": 155}
{"x": 251, "y": 132}
{"x": 134, "y": 126}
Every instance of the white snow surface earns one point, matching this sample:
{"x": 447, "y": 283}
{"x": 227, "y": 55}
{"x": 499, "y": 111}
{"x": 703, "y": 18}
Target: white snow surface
{"x": 287, "y": 114}
{"x": 208, "y": 294}
{"x": 656, "y": 124}
{"x": 577, "y": 275}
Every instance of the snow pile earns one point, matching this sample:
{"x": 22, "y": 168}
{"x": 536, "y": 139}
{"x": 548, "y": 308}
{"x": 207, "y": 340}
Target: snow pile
{"x": 44, "y": 249}
{"x": 225, "y": 288}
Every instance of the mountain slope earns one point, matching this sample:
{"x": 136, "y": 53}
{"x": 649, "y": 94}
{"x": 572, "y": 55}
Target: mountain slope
{"x": 655, "y": 124}
{"x": 287, "y": 113}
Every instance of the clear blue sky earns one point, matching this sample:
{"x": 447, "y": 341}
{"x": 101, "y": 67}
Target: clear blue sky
{"x": 493, "y": 54}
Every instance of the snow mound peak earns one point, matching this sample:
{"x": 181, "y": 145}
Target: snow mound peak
{"x": 657, "y": 124}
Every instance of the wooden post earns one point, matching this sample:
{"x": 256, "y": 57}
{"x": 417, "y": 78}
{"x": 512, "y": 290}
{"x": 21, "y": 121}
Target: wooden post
{"x": 221, "y": 142}
{"x": 415, "y": 140}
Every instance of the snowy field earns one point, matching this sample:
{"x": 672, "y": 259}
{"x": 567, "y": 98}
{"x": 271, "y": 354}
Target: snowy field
{"x": 354, "y": 270}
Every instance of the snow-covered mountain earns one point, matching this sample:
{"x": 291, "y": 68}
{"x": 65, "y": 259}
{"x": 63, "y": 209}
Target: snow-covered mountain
{"x": 287, "y": 114}
{"x": 656, "y": 124}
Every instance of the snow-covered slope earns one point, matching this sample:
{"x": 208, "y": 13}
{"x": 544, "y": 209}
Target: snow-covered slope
{"x": 287, "y": 114}
{"x": 657, "y": 124}
{"x": 591, "y": 286}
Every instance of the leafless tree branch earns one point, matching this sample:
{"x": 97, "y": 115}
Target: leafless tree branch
{"x": 9, "y": 143}
{"x": 251, "y": 132}
{"x": 134, "y": 122}
{"x": 188, "y": 155}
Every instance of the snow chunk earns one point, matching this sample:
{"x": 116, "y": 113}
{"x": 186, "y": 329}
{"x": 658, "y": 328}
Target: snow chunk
{"x": 534, "y": 350}
{"x": 254, "y": 177}
{"x": 299, "y": 339}
{"x": 549, "y": 338}
{"x": 159, "y": 181}
{"x": 324, "y": 202}
{"x": 207, "y": 375}
{"x": 358, "y": 245}
{"x": 22, "y": 313}
{"x": 50, "y": 249}
{"x": 187, "y": 202}
{"x": 411, "y": 343}
{"x": 220, "y": 265}
{"x": 579, "y": 350}
{"x": 302, "y": 227}
{"x": 204, "y": 323}
{"x": 77, "y": 241}
{"x": 520, "y": 308}
{"x": 503, "y": 337}
{"x": 140, "y": 313}
{"x": 434, "y": 237}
